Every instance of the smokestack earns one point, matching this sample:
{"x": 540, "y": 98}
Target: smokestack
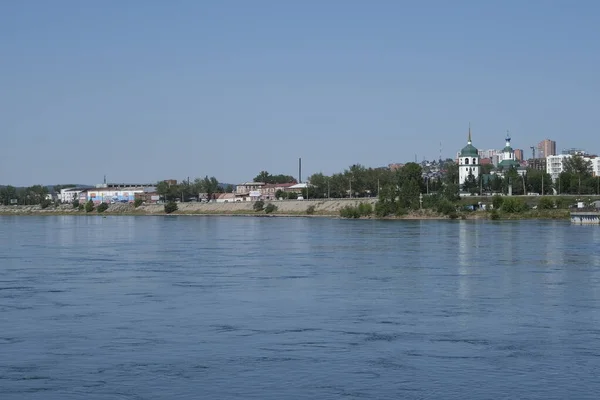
{"x": 300, "y": 170}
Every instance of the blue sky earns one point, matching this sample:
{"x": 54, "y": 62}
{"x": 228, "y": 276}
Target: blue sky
{"x": 149, "y": 90}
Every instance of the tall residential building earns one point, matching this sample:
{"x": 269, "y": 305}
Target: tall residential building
{"x": 519, "y": 154}
{"x": 489, "y": 153}
{"x": 546, "y": 148}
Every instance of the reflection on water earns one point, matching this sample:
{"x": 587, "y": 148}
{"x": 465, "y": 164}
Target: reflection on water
{"x": 303, "y": 308}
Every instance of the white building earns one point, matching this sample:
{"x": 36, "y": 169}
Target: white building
{"x": 595, "y": 166}
{"x": 468, "y": 162}
{"x": 555, "y": 165}
{"x": 68, "y": 195}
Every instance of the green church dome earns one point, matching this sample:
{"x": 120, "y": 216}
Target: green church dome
{"x": 469, "y": 151}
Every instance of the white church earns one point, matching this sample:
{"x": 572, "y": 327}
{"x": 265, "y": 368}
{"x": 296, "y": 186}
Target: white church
{"x": 468, "y": 162}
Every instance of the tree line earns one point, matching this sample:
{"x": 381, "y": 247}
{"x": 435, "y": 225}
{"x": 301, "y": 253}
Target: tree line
{"x": 32, "y": 195}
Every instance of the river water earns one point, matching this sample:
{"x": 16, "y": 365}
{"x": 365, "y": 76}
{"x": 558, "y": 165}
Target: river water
{"x": 297, "y": 308}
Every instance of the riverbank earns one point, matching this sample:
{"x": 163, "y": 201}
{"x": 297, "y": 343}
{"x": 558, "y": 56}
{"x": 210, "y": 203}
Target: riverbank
{"x": 284, "y": 208}
{"x": 287, "y": 208}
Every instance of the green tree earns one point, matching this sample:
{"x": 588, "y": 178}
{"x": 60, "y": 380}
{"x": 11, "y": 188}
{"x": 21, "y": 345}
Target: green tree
{"x": 538, "y": 182}
{"x": 270, "y": 208}
{"x": 210, "y": 186}
{"x": 102, "y": 207}
{"x": 171, "y": 207}
{"x": 451, "y": 172}
{"x": 89, "y": 206}
{"x": 471, "y": 184}
{"x": 409, "y": 194}
{"x": 7, "y": 193}
{"x": 166, "y": 191}
{"x": 265, "y": 177}
{"x": 513, "y": 178}
{"x": 258, "y": 205}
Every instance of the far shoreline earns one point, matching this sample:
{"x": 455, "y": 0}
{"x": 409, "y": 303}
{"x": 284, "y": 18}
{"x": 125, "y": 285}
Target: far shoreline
{"x": 292, "y": 209}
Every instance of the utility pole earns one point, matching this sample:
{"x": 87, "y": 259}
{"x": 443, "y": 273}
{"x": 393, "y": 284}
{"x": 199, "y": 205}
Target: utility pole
{"x": 542, "y": 183}
{"x": 328, "y": 191}
{"x": 350, "y": 180}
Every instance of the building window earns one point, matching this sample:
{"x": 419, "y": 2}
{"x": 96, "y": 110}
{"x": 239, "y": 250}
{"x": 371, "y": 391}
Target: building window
{"x": 466, "y": 161}
{"x": 474, "y": 162}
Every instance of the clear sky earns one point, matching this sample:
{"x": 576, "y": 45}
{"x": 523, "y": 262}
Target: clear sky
{"x": 143, "y": 90}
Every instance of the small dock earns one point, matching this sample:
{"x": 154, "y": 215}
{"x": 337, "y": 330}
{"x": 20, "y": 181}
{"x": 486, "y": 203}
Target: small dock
{"x": 585, "y": 218}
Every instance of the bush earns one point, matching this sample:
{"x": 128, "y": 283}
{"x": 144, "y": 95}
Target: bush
{"x": 494, "y": 215}
{"x": 562, "y": 202}
{"x": 80, "y": 207}
{"x": 89, "y": 206}
{"x": 137, "y": 203}
{"x": 446, "y": 207}
{"x": 513, "y": 205}
{"x": 290, "y": 195}
{"x": 102, "y": 207}
{"x": 362, "y": 210}
{"x": 497, "y": 202}
{"x": 545, "y": 203}
{"x": 365, "y": 209}
{"x": 453, "y": 215}
{"x": 75, "y": 203}
{"x": 270, "y": 208}
{"x": 385, "y": 208}
{"x": 171, "y": 207}
{"x": 310, "y": 210}
{"x": 258, "y": 205}
{"x": 45, "y": 203}
{"x": 349, "y": 212}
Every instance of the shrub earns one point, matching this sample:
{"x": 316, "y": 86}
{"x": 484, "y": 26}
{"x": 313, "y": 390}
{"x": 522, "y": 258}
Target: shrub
{"x": 513, "y": 205}
{"x": 545, "y": 203}
{"x": 497, "y": 202}
{"x": 349, "y": 212}
{"x": 80, "y": 207}
{"x": 89, "y": 206}
{"x": 137, "y": 203}
{"x": 453, "y": 215}
{"x": 290, "y": 195}
{"x": 75, "y": 203}
{"x": 258, "y": 205}
{"x": 362, "y": 210}
{"x": 365, "y": 209}
{"x": 445, "y": 207}
{"x": 270, "y": 208}
{"x": 171, "y": 207}
{"x": 102, "y": 207}
{"x": 386, "y": 208}
{"x": 310, "y": 210}
{"x": 45, "y": 203}
{"x": 562, "y": 202}
{"x": 494, "y": 215}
